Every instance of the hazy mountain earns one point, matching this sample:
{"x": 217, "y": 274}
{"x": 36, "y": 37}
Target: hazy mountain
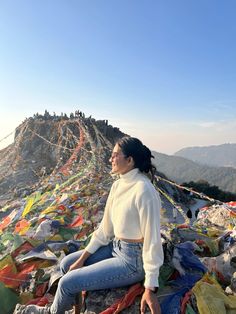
{"x": 216, "y": 155}
{"x": 182, "y": 170}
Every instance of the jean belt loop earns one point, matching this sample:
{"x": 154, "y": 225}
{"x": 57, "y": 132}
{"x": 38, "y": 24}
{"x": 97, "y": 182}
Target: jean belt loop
{"x": 119, "y": 245}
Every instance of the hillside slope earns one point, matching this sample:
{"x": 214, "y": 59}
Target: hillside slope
{"x": 182, "y": 170}
{"x": 216, "y": 155}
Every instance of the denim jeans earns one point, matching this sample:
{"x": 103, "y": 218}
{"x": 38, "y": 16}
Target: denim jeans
{"x": 116, "y": 265}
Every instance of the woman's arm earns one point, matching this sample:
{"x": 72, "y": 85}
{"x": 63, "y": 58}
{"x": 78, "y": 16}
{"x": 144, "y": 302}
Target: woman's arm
{"x": 104, "y": 233}
{"x": 153, "y": 256}
{"x": 149, "y": 211}
{"x": 100, "y": 237}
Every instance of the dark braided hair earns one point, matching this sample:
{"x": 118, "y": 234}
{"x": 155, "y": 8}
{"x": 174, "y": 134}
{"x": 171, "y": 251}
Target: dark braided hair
{"x": 133, "y": 147}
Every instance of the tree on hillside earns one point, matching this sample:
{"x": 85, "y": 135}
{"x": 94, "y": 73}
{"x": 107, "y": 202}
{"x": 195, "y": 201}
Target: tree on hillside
{"x": 212, "y": 191}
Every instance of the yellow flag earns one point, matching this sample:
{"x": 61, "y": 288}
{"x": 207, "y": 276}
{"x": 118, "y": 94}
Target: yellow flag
{"x": 28, "y": 206}
{"x": 6, "y": 261}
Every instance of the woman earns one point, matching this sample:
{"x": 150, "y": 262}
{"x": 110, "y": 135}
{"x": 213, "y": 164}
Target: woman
{"x": 126, "y": 248}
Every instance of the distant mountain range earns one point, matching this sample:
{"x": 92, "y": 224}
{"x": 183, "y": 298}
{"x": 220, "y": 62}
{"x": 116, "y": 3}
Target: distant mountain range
{"x": 181, "y": 170}
{"x": 216, "y": 155}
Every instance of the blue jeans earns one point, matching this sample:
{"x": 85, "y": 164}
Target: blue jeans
{"x": 116, "y": 265}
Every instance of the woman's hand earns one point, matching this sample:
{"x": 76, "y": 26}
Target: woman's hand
{"x": 77, "y": 264}
{"x": 149, "y": 298}
{"x": 80, "y": 262}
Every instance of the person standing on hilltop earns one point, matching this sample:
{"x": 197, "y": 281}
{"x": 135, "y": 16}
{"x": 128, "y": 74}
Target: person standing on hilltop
{"x": 126, "y": 248}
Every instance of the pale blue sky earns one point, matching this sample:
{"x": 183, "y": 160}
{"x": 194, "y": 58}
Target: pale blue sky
{"x": 162, "y": 70}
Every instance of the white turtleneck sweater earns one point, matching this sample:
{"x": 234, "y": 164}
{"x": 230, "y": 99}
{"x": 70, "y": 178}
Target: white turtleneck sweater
{"x": 133, "y": 212}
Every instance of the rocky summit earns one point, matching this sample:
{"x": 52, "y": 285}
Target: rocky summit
{"x": 54, "y": 146}
{"x": 54, "y": 182}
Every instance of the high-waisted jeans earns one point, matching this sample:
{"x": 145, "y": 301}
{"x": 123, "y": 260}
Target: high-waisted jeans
{"x": 116, "y": 265}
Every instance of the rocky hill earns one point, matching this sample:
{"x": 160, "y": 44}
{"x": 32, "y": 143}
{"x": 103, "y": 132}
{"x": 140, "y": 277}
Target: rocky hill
{"x": 215, "y": 155}
{"x": 54, "y": 181}
{"x": 52, "y": 146}
{"x": 182, "y": 170}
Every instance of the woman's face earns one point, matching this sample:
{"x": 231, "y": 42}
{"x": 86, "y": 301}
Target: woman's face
{"x": 120, "y": 164}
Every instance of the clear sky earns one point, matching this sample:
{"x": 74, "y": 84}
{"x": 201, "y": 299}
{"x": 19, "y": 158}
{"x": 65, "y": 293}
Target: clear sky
{"x": 161, "y": 70}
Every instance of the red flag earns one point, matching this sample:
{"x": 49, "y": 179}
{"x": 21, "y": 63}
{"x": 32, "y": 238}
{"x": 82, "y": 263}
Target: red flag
{"x": 126, "y": 301}
{"x": 77, "y": 222}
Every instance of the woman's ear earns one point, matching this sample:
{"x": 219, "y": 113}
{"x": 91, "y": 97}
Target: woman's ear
{"x": 131, "y": 161}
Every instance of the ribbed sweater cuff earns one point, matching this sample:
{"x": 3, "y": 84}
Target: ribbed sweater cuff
{"x": 151, "y": 280}
{"x": 92, "y": 247}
